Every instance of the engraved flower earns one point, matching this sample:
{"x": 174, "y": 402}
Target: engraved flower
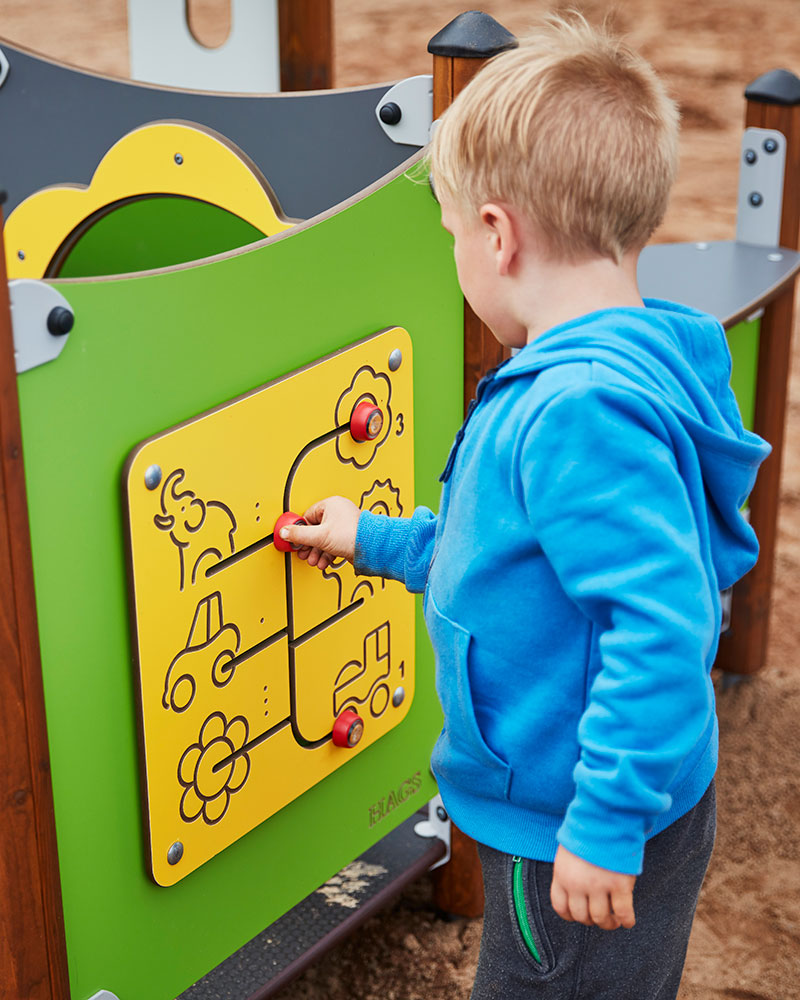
{"x": 373, "y": 387}
{"x": 213, "y": 768}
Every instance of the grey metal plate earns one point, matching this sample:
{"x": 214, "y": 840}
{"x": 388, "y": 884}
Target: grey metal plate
{"x": 727, "y": 279}
{"x": 315, "y": 149}
{"x": 281, "y": 952}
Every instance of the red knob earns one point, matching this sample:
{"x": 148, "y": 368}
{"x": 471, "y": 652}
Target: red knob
{"x": 348, "y": 729}
{"x": 366, "y": 421}
{"x": 281, "y": 544}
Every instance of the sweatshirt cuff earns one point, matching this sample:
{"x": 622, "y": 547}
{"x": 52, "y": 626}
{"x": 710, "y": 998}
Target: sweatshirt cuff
{"x": 610, "y": 840}
{"x": 381, "y": 544}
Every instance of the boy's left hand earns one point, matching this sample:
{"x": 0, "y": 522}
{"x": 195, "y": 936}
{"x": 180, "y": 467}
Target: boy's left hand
{"x": 588, "y": 894}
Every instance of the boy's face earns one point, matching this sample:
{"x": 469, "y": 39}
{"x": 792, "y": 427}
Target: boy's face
{"x": 474, "y": 251}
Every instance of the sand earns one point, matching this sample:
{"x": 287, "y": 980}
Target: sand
{"x": 746, "y": 940}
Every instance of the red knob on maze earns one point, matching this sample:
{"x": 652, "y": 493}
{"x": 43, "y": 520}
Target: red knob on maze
{"x": 366, "y": 421}
{"x": 281, "y": 544}
{"x": 348, "y": 729}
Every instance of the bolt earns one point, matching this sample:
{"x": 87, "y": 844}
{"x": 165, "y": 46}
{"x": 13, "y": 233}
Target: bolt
{"x": 21, "y": 254}
{"x": 398, "y": 697}
{"x": 441, "y": 812}
{"x": 178, "y": 159}
{"x": 390, "y": 114}
{"x": 175, "y": 853}
{"x": 152, "y": 476}
{"x": 756, "y": 200}
{"x": 774, "y": 257}
{"x": 60, "y": 321}
{"x": 395, "y": 359}
{"x": 770, "y": 145}
{"x": 750, "y": 156}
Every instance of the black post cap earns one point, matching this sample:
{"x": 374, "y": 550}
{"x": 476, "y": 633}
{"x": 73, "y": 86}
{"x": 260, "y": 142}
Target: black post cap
{"x": 472, "y": 35}
{"x": 779, "y": 86}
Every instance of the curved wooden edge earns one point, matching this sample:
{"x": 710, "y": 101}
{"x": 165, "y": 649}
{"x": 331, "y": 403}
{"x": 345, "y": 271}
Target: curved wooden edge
{"x": 10, "y": 47}
{"x": 33, "y": 957}
{"x": 299, "y": 227}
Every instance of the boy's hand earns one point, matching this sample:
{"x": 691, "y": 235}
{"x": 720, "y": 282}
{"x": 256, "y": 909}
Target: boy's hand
{"x": 330, "y": 533}
{"x": 588, "y": 894}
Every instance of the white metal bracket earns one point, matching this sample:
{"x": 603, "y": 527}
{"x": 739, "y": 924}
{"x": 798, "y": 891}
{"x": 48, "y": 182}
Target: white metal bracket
{"x": 405, "y": 112}
{"x": 3, "y": 67}
{"x": 41, "y": 319}
{"x": 163, "y": 49}
{"x": 436, "y": 825}
{"x": 761, "y": 170}
{"x": 104, "y": 995}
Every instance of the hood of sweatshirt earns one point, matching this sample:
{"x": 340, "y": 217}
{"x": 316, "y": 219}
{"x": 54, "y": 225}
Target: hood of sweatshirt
{"x": 679, "y": 358}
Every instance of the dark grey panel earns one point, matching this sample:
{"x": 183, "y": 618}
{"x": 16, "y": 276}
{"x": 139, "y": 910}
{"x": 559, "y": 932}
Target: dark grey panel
{"x": 315, "y": 149}
{"x": 729, "y": 280}
{"x": 280, "y": 953}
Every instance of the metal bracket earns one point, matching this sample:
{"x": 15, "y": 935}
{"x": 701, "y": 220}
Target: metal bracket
{"x": 3, "y": 67}
{"x": 41, "y": 319}
{"x": 104, "y": 995}
{"x": 758, "y": 215}
{"x": 436, "y": 825}
{"x": 405, "y": 112}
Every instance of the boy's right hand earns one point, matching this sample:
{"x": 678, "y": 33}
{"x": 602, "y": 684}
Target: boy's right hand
{"x": 330, "y": 533}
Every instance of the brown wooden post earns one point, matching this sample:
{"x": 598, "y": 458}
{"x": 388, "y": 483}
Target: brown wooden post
{"x": 305, "y": 29}
{"x": 773, "y": 102}
{"x": 459, "y": 50}
{"x": 33, "y": 958}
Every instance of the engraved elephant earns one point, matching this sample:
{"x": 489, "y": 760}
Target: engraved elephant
{"x": 198, "y": 528}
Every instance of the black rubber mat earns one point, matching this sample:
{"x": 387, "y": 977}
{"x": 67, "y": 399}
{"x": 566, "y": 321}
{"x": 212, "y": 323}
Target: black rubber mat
{"x": 281, "y": 952}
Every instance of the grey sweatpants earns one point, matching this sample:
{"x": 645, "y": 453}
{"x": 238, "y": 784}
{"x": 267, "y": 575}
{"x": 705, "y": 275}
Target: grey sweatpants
{"x": 586, "y": 963}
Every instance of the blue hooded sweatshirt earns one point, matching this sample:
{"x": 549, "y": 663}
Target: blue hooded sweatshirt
{"x": 590, "y": 516}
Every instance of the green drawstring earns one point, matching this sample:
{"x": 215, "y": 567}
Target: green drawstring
{"x": 521, "y": 910}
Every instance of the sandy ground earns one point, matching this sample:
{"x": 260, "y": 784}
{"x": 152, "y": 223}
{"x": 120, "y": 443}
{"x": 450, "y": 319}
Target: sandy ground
{"x": 746, "y": 940}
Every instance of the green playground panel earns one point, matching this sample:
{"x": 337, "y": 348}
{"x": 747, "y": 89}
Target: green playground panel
{"x": 146, "y": 353}
{"x": 743, "y": 340}
{"x": 156, "y": 232}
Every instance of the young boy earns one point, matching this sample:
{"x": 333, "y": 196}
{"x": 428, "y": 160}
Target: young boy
{"x": 590, "y": 516}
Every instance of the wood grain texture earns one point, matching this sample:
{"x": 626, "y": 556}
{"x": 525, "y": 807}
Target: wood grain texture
{"x": 33, "y": 961}
{"x": 305, "y": 29}
{"x": 743, "y": 649}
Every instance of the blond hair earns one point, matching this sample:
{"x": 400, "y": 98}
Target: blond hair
{"x": 572, "y": 128}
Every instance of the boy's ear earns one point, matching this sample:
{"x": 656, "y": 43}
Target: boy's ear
{"x": 501, "y": 231}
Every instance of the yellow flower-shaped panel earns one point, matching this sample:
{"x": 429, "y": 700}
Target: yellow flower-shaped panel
{"x": 255, "y": 668}
{"x": 163, "y": 158}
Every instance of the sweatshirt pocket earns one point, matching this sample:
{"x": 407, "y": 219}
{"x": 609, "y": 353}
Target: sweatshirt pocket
{"x": 462, "y": 757}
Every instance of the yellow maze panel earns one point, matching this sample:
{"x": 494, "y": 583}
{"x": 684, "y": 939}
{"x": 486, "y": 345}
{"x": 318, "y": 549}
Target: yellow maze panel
{"x": 258, "y": 674}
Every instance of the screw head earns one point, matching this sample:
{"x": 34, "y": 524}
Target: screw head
{"x": 770, "y": 145}
{"x": 178, "y": 159}
{"x": 398, "y": 697}
{"x": 395, "y": 359}
{"x": 441, "y": 812}
{"x": 60, "y": 321}
{"x": 774, "y": 257}
{"x": 152, "y": 476}
{"x": 750, "y": 156}
{"x": 175, "y": 853}
{"x": 21, "y": 254}
{"x": 756, "y": 199}
{"x": 390, "y": 113}
{"x": 701, "y": 246}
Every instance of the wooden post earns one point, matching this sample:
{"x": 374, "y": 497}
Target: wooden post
{"x": 773, "y": 102}
{"x": 33, "y": 958}
{"x": 459, "y": 50}
{"x": 305, "y": 29}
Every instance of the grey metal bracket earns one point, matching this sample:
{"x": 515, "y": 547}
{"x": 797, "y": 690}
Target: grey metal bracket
{"x": 104, "y": 995}
{"x": 761, "y": 170}
{"x": 436, "y": 825}
{"x": 41, "y": 319}
{"x": 3, "y": 67}
{"x": 163, "y": 49}
{"x": 405, "y": 112}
